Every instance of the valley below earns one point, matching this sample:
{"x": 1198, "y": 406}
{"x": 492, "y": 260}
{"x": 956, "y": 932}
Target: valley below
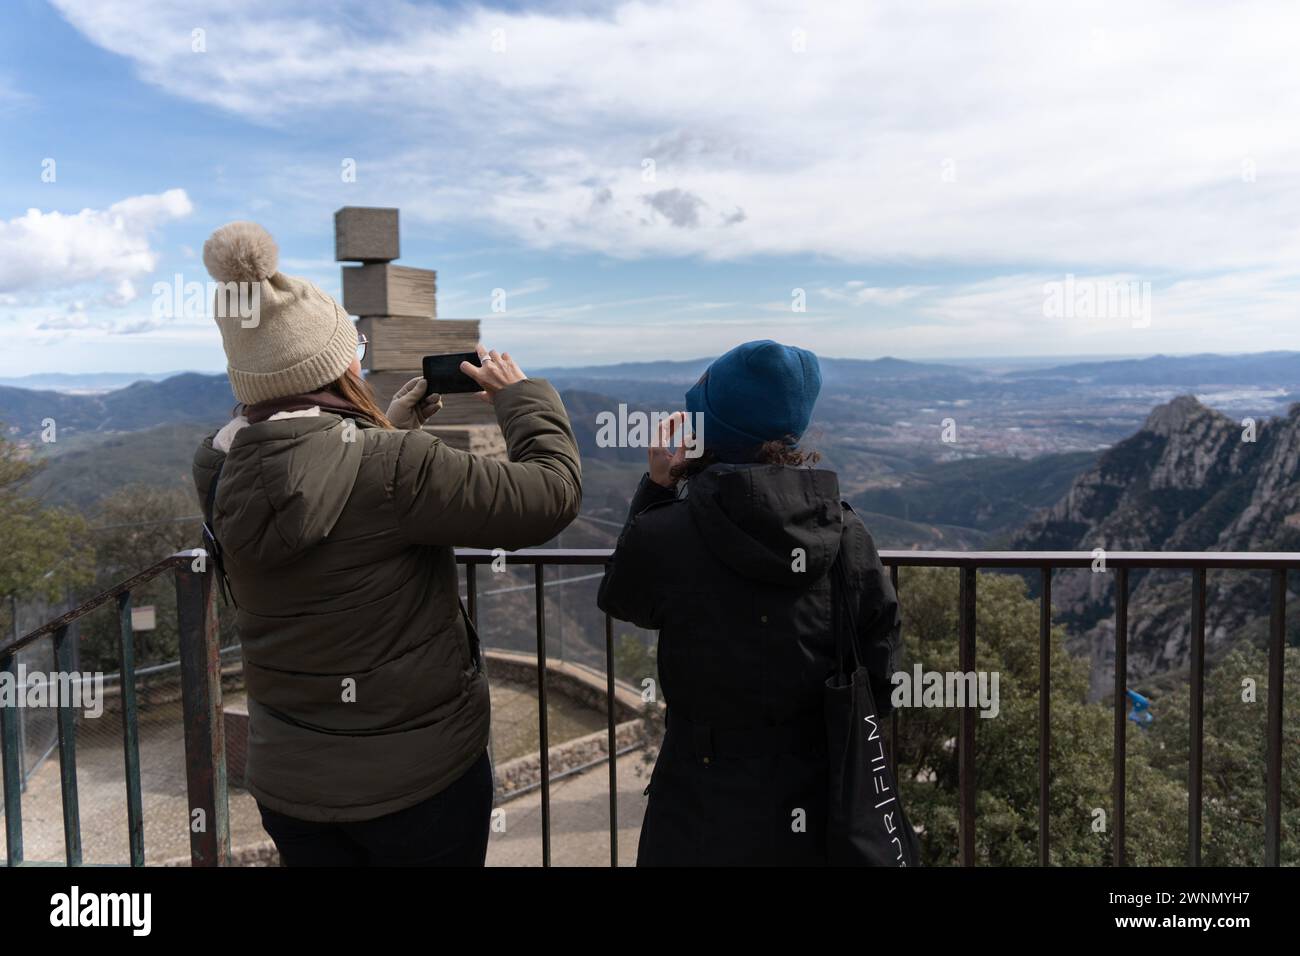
{"x": 1165, "y": 453}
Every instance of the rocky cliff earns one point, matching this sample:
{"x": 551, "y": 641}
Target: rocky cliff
{"x": 1191, "y": 479}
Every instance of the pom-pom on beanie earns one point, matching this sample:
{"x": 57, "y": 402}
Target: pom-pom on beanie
{"x": 282, "y": 335}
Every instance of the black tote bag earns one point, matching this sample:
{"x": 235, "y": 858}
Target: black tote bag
{"x": 866, "y": 825}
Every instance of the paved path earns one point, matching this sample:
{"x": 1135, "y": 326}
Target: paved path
{"x": 579, "y": 804}
{"x": 579, "y": 820}
{"x": 579, "y": 823}
{"x": 101, "y": 787}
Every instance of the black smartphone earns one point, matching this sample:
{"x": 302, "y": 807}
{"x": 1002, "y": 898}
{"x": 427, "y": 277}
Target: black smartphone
{"x": 444, "y": 376}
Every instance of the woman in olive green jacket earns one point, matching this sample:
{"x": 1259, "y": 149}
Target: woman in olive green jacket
{"x": 368, "y": 707}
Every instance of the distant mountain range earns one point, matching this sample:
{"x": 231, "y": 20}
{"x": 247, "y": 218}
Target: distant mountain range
{"x": 1179, "y": 370}
{"x": 1069, "y": 457}
{"x": 688, "y": 371}
{"x": 83, "y": 381}
{"x": 189, "y": 397}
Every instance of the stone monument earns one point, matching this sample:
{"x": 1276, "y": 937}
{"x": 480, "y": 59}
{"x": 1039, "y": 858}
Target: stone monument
{"x": 396, "y": 309}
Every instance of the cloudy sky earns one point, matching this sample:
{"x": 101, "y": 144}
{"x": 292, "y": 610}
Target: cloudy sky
{"x": 664, "y": 179}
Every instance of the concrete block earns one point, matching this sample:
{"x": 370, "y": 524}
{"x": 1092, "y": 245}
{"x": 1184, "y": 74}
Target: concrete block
{"x": 366, "y": 234}
{"x": 401, "y": 342}
{"x": 380, "y": 289}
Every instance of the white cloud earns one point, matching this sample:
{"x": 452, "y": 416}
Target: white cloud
{"x": 1006, "y": 315}
{"x": 999, "y": 316}
{"x": 526, "y": 288}
{"x": 54, "y": 250}
{"x": 123, "y": 293}
{"x": 77, "y": 320}
{"x": 1104, "y": 134}
{"x": 12, "y": 98}
{"x": 66, "y": 323}
{"x": 859, "y": 293}
{"x": 136, "y": 326}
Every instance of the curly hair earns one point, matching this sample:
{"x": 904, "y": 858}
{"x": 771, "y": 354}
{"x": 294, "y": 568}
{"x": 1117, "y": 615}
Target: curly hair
{"x": 775, "y": 452}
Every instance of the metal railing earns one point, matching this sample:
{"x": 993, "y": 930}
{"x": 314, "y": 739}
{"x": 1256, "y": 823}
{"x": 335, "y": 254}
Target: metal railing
{"x": 205, "y": 746}
{"x": 205, "y": 756}
{"x": 1045, "y": 562}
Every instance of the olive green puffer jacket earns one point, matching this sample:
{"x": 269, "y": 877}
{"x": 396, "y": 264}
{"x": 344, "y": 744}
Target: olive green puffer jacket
{"x": 362, "y": 696}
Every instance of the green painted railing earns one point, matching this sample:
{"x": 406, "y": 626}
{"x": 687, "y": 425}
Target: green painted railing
{"x": 205, "y": 759}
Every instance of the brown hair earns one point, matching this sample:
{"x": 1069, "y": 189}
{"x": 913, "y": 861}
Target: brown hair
{"x": 769, "y": 453}
{"x": 353, "y": 388}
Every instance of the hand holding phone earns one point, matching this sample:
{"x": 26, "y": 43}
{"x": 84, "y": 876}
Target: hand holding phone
{"x": 445, "y": 375}
{"x": 663, "y": 457}
{"x": 493, "y": 372}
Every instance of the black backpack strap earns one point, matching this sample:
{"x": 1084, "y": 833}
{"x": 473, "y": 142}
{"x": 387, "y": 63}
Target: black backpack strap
{"x": 210, "y": 542}
{"x": 844, "y": 618}
{"x": 212, "y": 492}
{"x": 475, "y": 648}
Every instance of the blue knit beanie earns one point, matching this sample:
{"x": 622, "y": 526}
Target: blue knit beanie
{"x": 758, "y": 392}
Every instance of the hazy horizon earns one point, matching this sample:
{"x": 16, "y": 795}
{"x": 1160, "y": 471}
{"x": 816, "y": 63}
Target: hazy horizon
{"x": 989, "y": 361}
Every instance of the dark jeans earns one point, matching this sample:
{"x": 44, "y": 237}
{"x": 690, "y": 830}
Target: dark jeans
{"x": 448, "y": 829}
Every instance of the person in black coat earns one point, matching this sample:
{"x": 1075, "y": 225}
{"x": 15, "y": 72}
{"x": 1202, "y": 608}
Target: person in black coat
{"x": 728, "y": 555}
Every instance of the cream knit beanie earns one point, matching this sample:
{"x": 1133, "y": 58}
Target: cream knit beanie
{"x": 282, "y": 335}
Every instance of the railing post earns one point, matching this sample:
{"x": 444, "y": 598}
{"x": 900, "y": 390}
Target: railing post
{"x": 471, "y": 608}
{"x": 1044, "y": 718}
{"x": 13, "y": 773}
{"x": 1197, "y": 720}
{"x": 543, "y": 733}
{"x": 1273, "y": 755}
{"x": 1120, "y": 750}
{"x": 966, "y": 724}
{"x": 130, "y": 731}
{"x": 67, "y": 721}
{"x": 205, "y": 746}
{"x": 613, "y": 741}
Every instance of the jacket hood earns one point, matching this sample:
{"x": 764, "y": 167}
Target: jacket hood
{"x": 754, "y": 517}
{"x": 283, "y": 485}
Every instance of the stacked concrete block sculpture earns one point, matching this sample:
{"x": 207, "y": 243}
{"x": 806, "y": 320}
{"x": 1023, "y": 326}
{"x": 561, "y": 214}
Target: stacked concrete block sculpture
{"x": 396, "y": 309}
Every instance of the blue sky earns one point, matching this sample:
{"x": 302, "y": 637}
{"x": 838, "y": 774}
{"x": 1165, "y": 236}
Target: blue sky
{"x": 660, "y": 179}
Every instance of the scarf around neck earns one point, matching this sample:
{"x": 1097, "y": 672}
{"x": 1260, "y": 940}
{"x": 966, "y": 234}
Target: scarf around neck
{"x": 327, "y": 400}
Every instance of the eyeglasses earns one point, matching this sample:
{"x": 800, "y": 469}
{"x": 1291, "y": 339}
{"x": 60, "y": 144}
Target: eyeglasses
{"x": 362, "y": 342}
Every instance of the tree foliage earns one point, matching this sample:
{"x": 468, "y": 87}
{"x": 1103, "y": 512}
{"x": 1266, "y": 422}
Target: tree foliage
{"x": 1081, "y": 816}
{"x": 133, "y": 528}
{"x": 45, "y": 553}
{"x": 1234, "y": 755}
